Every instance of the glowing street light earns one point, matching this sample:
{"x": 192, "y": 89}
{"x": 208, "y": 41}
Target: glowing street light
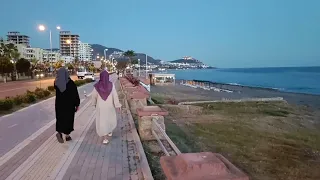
{"x": 39, "y": 76}
{"x": 42, "y": 27}
{"x": 68, "y": 41}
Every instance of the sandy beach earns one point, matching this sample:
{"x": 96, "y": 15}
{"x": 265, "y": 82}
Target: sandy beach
{"x": 183, "y": 93}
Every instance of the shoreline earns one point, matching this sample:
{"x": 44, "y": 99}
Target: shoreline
{"x": 253, "y": 87}
{"x": 183, "y": 93}
{"x": 277, "y": 78}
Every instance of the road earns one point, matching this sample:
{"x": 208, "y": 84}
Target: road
{"x": 20, "y": 87}
{"x": 16, "y": 127}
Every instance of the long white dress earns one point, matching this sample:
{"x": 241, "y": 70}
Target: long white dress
{"x": 106, "y": 115}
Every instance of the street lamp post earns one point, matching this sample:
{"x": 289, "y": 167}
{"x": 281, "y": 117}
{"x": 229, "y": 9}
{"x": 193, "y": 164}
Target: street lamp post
{"x": 105, "y": 53}
{"x": 43, "y": 28}
{"x": 139, "y": 66}
{"x": 146, "y": 66}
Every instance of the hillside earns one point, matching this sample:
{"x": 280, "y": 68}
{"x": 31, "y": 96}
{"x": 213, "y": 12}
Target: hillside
{"x": 99, "y": 49}
{"x": 189, "y": 61}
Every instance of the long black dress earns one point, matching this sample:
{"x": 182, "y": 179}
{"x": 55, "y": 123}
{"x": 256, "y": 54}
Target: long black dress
{"x": 66, "y": 103}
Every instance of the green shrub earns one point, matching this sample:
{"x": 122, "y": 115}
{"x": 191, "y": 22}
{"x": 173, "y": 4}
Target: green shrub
{"x": 6, "y": 104}
{"x": 46, "y": 93}
{"x": 18, "y": 100}
{"x": 79, "y": 82}
{"x": 39, "y": 93}
{"x": 30, "y": 97}
{"x": 88, "y": 80}
{"x": 51, "y": 88}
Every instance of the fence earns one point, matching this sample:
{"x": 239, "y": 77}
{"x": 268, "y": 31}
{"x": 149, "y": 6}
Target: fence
{"x": 156, "y": 126}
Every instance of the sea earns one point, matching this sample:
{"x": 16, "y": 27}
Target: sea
{"x": 288, "y": 79}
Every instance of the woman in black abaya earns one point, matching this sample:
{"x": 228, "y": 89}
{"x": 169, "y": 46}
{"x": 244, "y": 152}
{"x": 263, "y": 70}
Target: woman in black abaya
{"x": 67, "y": 103}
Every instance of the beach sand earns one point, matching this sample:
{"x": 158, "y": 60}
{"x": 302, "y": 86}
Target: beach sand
{"x": 183, "y": 93}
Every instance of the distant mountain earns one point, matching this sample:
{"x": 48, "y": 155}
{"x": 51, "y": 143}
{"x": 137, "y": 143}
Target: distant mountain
{"x": 188, "y": 60}
{"x": 99, "y": 49}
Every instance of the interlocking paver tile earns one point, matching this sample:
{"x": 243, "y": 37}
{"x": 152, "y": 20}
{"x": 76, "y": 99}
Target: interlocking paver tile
{"x": 84, "y": 158}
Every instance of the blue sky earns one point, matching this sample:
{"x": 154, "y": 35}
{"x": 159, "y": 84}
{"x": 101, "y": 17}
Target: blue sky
{"x": 222, "y": 33}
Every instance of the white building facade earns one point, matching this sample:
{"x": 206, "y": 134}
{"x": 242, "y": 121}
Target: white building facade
{"x": 49, "y": 56}
{"x": 85, "y": 51}
{"x": 34, "y": 53}
{"x": 67, "y": 59}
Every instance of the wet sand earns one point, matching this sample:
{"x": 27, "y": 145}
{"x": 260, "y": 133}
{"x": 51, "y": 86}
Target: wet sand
{"x": 184, "y": 93}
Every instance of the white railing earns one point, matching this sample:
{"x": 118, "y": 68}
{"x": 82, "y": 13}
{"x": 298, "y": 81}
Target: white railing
{"x": 155, "y": 125}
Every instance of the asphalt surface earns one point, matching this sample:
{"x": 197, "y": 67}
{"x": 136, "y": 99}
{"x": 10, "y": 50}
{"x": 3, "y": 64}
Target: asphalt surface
{"x": 20, "y": 87}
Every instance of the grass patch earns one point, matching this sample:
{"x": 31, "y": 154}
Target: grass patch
{"x": 183, "y": 141}
{"x": 158, "y": 99}
{"x": 154, "y": 162}
{"x": 267, "y": 140}
{"x": 280, "y": 113}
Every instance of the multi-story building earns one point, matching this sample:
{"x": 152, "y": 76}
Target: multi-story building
{"x": 34, "y": 53}
{"x": 17, "y": 38}
{"x": 49, "y": 56}
{"x": 69, "y": 44}
{"x": 67, "y": 59}
{"x": 85, "y": 51}
{"x": 20, "y": 47}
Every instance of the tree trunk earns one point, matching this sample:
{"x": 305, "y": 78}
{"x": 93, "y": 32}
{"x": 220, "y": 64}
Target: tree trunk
{"x": 32, "y": 75}
{"x": 13, "y": 76}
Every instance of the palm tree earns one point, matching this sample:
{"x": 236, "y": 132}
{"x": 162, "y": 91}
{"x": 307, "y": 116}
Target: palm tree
{"x": 129, "y": 54}
{"x": 58, "y": 64}
{"x": 15, "y": 56}
{"x": 121, "y": 66}
{"x": 33, "y": 66}
{"x": 9, "y": 52}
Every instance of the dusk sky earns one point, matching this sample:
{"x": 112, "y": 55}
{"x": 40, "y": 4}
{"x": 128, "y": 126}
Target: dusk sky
{"x": 222, "y": 33}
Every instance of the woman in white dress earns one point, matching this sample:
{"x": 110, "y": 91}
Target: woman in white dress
{"x": 105, "y": 99}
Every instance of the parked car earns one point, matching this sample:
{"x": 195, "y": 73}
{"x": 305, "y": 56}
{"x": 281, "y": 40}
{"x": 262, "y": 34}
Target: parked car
{"x": 89, "y": 76}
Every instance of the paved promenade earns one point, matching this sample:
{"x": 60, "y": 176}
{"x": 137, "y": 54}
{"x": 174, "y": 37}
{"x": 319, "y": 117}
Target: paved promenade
{"x": 40, "y": 156}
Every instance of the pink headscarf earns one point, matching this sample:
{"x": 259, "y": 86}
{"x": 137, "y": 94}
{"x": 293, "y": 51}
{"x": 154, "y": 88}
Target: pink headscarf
{"x": 104, "y": 86}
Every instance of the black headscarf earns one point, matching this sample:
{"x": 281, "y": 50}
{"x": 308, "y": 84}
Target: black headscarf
{"x": 62, "y": 79}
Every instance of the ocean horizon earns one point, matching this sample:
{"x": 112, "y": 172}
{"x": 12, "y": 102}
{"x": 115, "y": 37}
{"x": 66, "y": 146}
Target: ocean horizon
{"x": 286, "y": 79}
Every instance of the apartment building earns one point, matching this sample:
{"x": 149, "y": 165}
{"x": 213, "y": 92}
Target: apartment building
{"x": 85, "y": 51}
{"x": 67, "y": 59}
{"x": 33, "y": 53}
{"x": 49, "y": 56}
{"x": 17, "y": 38}
{"x": 20, "y": 47}
{"x": 69, "y": 44}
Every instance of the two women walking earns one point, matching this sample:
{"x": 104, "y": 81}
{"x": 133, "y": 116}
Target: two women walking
{"x": 104, "y": 98}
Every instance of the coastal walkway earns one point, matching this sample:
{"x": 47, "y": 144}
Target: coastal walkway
{"x": 39, "y": 156}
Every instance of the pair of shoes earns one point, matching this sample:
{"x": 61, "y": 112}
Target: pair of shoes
{"x": 106, "y": 141}
{"x": 59, "y": 137}
{"x": 110, "y": 134}
{"x": 68, "y": 138}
